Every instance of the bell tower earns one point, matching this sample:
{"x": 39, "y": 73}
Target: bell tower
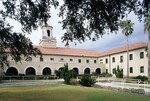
{"x": 47, "y": 37}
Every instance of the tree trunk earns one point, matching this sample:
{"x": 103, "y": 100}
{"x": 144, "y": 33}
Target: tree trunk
{"x": 149, "y": 55}
{"x": 127, "y": 57}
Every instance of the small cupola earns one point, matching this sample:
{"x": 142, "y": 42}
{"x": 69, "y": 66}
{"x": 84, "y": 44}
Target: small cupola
{"x": 47, "y": 37}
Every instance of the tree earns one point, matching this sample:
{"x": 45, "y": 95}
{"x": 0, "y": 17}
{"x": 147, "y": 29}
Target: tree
{"x": 147, "y": 28}
{"x": 119, "y": 72}
{"x": 127, "y": 29}
{"x": 30, "y": 14}
{"x": 65, "y": 73}
{"x": 92, "y": 18}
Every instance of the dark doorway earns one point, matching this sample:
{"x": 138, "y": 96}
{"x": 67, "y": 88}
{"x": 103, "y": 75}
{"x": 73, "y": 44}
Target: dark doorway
{"x": 46, "y": 71}
{"x": 87, "y": 71}
{"x": 98, "y": 71}
{"x": 12, "y": 71}
{"x": 30, "y": 71}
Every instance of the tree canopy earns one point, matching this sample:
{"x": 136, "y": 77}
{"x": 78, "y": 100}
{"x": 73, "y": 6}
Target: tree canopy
{"x": 81, "y": 20}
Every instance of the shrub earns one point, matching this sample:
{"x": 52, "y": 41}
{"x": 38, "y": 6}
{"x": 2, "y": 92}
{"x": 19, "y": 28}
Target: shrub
{"x": 1, "y": 75}
{"x": 68, "y": 76}
{"x": 119, "y": 72}
{"x": 73, "y": 82}
{"x": 87, "y": 80}
{"x": 142, "y": 78}
{"x": 105, "y": 75}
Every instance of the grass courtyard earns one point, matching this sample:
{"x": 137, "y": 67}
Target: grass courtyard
{"x": 65, "y": 93}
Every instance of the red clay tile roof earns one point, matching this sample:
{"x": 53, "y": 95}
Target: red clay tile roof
{"x": 88, "y": 53}
{"x": 123, "y": 49}
{"x": 68, "y": 51}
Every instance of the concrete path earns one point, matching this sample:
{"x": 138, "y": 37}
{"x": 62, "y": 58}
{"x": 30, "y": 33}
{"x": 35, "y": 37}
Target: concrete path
{"x": 30, "y": 83}
{"x": 124, "y": 85}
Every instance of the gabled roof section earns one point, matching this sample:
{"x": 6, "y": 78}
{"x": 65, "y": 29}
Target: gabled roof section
{"x": 68, "y": 51}
{"x": 123, "y": 49}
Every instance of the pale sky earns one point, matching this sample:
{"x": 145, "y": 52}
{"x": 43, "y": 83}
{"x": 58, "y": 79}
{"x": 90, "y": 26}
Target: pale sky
{"x": 105, "y": 43}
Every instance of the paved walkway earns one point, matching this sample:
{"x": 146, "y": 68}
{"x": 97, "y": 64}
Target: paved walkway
{"x": 29, "y": 83}
{"x": 124, "y": 85}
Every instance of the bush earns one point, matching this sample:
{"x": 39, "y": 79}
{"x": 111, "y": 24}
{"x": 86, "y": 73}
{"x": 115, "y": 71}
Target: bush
{"x": 87, "y": 80}
{"x": 73, "y": 82}
{"x": 1, "y": 75}
{"x": 142, "y": 78}
{"x": 105, "y": 75}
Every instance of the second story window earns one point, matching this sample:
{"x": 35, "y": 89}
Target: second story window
{"x": 106, "y": 60}
{"x": 141, "y": 55}
{"x": 113, "y": 59}
{"x": 87, "y": 61}
{"x": 29, "y": 58}
{"x": 52, "y": 59}
{"x": 41, "y": 58}
{"x": 121, "y": 59}
{"x": 79, "y": 60}
{"x": 130, "y": 56}
{"x": 101, "y": 61}
{"x": 62, "y": 59}
{"x": 94, "y": 61}
{"x": 71, "y": 59}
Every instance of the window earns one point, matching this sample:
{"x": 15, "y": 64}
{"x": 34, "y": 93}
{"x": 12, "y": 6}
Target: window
{"x": 106, "y": 70}
{"x": 71, "y": 59}
{"x": 87, "y": 61}
{"x": 142, "y": 69}
{"x": 121, "y": 59}
{"x": 113, "y": 59}
{"x": 94, "y": 61}
{"x": 106, "y": 60}
{"x": 41, "y": 58}
{"x": 62, "y": 59}
{"x": 29, "y": 58}
{"x": 52, "y": 59}
{"x": 48, "y": 33}
{"x": 131, "y": 69}
{"x": 141, "y": 55}
{"x": 101, "y": 61}
{"x": 79, "y": 60}
{"x": 131, "y": 57}
{"x": 114, "y": 70}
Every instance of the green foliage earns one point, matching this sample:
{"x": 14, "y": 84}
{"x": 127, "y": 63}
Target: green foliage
{"x": 98, "y": 15}
{"x": 30, "y": 14}
{"x": 119, "y": 72}
{"x": 65, "y": 73}
{"x": 73, "y": 81}
{"x": 105, "y": 75}
{"x": 142, "y": 78}
{"x": 87, "y": 80}
{"x": 127, "y": 27}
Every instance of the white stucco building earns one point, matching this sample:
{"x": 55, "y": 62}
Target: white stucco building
{"x": 82, "y": 61}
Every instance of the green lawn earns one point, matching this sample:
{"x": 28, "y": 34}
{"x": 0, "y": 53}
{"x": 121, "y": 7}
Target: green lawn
{"x": 66, "y": 93}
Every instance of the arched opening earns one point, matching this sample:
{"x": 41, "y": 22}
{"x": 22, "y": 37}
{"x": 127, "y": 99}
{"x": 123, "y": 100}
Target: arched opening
{"x": 76, "y": 71}
{"x": 12, "y": 71}
{"x": 87, "y": 71}
{"x": 46, "y": 71}
{"x": 48, "y": 33}
{"x": 98, "y": 71}
{"x": 61, "y": 68}
{"x": 30, "y": 71}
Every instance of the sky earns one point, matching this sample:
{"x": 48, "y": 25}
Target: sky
{"x": 108, "y": 41}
